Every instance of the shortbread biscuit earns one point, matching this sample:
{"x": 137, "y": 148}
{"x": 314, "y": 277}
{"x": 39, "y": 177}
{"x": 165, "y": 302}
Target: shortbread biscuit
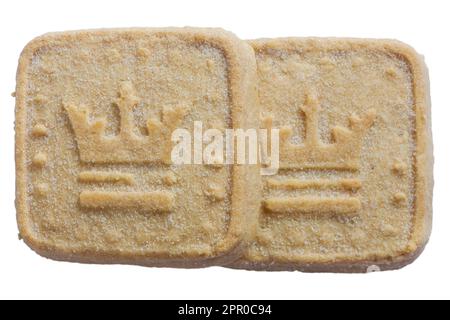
{"x": 354, "y": 189}
{"x": 94, "y": 117}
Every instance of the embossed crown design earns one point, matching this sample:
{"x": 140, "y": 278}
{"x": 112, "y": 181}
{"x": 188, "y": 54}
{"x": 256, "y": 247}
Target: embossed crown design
{"x": 127, "y": 146}
{"x": 343, "y": 154}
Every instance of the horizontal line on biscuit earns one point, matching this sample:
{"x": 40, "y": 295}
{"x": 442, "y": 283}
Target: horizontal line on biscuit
{"x": 312, "y": 204}
{"x": 156, "y": 201}
{"x": 320, "y": 184}
{"x": 106, "y": 177}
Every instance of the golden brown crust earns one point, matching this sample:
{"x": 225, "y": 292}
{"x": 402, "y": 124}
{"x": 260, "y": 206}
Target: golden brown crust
{"x": 240, "y": 75}
{"x": 422, "y": 169}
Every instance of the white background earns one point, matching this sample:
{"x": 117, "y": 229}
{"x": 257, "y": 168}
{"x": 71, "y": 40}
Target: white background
{"x": 422, "y": 24}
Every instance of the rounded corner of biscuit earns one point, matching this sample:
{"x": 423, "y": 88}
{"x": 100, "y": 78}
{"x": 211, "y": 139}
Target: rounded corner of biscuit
{"x": 34, "y": 45}
{"x": 34, "y": 242}
{"x": 405, "y": 51}
{"x": 408, "y": 256}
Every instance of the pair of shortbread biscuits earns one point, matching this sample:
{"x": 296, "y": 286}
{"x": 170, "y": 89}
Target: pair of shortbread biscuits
{"x": 94, "y": 121}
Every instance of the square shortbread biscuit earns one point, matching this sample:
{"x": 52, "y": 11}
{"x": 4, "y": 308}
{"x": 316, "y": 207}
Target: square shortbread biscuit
{"x": 94, "y": 116}
{"x": 354, "y": 189}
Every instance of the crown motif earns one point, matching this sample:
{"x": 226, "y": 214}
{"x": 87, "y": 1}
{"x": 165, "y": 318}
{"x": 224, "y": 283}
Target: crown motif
{"x": 126, "y": 146}
{"x": 343, "y": 154}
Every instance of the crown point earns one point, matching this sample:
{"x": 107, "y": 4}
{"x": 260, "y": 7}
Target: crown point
{"x": 267, "y": 122}
{"x": 72, "y": 109}
{"x": 311, "y": 104}
{"x": 311, "y": 99}
{"x": 174, "y": 114}
{"x": 341, "y": 134}
{"x": 125, "y": 88}
{"x": 285, "y": 133}
{"x": 128, "y": 92}
{"x": 364, "y": 122}
{"x": 354, "y": 120}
